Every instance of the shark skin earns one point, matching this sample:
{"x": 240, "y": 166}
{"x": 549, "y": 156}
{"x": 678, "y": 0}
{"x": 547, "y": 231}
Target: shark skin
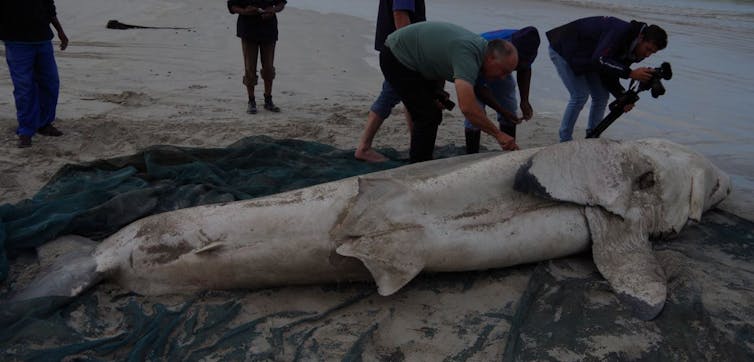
{"x": 472, "y": 212}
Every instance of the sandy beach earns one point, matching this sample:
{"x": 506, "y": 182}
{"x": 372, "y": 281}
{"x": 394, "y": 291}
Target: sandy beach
{"x": 124, "y": 90}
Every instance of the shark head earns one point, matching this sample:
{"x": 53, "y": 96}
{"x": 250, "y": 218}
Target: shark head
{"x": 631, "y": 191}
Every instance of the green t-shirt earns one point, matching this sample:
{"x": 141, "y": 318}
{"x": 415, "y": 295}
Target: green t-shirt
{"x": 439, "y": 50}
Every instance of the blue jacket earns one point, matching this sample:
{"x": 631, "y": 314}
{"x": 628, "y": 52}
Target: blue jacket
{"x": 602, "y": 44}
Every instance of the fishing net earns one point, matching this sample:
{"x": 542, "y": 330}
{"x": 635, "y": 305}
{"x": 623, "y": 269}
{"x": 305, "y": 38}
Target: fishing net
{"x": 554, "y": 310}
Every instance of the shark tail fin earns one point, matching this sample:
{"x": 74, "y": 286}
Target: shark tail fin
{"x": 69, "y": 268}
{"x": 624, "y": 256}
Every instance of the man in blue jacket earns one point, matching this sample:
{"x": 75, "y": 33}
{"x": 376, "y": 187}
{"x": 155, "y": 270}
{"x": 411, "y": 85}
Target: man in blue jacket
{"x": 591, "y": 54}
{"x": 25, "y": 30}
{"x": 500, "y": 94}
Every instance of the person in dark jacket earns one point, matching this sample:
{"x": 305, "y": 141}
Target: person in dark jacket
{"x": 591, "y": 54}
{"x": 257, "y": 26}
{"x": 25, "y": 30}
{"x": 500, "y": 94}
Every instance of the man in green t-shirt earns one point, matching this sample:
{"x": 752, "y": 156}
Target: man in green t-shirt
{"x": 419, "y": 58}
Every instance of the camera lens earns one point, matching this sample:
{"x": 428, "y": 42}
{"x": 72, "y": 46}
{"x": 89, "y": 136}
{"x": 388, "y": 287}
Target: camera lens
{"x": 657, "y": 89}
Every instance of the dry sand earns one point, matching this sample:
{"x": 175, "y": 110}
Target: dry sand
{"x": 123, "y": 90}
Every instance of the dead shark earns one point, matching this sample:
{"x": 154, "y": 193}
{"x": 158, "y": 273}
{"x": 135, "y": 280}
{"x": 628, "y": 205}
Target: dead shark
{"x": 473, "y": 212}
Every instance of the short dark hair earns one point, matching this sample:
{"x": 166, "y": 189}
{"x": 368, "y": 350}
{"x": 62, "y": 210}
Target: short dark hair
{"x": 656, "y": 35}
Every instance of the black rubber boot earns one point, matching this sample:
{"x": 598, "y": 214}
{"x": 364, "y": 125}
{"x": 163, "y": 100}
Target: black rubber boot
{"x": 268, "y": 105}
{"x": 473, "y": 137}
{"x": 251, "y": 108}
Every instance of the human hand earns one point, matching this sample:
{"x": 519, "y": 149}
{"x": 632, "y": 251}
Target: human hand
{"x": 527, "y": 111}
{"x": 268, "y": 12}
{"x": 642, "y": 74}
{"x": 250, "y": 10}
{"x": 506, "y": 142}
{"x": 63, "y": 40}
{"x": 628, "y": 107}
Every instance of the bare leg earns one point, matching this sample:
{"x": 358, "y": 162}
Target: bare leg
{"x": 409, "y": 121}
{"x": 267, "y": 52}
{"x": 250, "y": 54}
{"x": 364, "y": 150}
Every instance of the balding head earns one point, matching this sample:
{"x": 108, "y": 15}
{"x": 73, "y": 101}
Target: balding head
{"x": 500, "y": 59}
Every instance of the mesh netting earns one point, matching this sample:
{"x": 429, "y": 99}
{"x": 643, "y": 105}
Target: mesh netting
{"x": 554, "y": 310}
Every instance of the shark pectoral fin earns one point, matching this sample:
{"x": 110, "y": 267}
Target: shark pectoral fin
{"x": 392, "y": 259}
{"x": 625, "y": 258}
{"x": 371, "y": 207}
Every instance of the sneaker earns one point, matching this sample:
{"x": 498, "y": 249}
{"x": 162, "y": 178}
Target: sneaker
{"x": 251, "y": 108}
{"x": 50, "y": 130}
{"x": 24, "y": 141}
{"x": 268, "y": 105}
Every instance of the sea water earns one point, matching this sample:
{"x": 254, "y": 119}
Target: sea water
{"x": 708, "y": 105}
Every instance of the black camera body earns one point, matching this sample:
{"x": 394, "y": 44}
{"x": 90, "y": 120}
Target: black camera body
{"x": 443, "y": 98}
{"x": 655, "y": 86}
{"x": 631, "y": 96}
{"x": 447, "y": 104}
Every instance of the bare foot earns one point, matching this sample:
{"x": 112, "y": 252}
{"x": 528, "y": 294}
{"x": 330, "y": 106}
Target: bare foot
{"x": 369, "y": 155}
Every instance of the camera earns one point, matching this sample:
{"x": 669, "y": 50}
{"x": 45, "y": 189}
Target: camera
{"x": 631, "y": 95}
{"x": 443, "y": 98}
{"x": 447, "y": 104}
{"x": 655, "y": 86}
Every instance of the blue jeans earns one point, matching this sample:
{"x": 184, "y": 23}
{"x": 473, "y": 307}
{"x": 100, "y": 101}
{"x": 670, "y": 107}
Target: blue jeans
{"x": 580, "y": 87}
{"x": 386, "y": 101}
{"x": 35, "y": 84}
{"x": 504, "y": 91}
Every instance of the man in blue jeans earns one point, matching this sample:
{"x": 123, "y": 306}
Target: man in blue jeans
{"x": 500, "y": 94}
{"x": 25, "y": 30}
{"x": 591, "y": 54}
{"x": 393, "y": 14}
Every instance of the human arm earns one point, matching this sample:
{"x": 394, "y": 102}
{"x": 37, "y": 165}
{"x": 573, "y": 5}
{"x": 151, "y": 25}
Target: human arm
{"x": 402, "y": 11}
{"x": 401, "y": 18}
{"x": 473, "y": 112}
{"x": 274, "y": 9}
{"x": 523, "y": 79}
{"x": 244, "y": 10}
{"x": 61, "y": 34}
{"x": 484, "y": 94}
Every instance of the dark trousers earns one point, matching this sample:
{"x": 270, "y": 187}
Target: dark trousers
{"x": 419, "y": 96}
{"x": 35, "y": 84}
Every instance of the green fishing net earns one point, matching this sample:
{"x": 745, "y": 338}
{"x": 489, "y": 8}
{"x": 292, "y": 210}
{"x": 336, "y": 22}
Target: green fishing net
{"x": 553, "y": 310}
